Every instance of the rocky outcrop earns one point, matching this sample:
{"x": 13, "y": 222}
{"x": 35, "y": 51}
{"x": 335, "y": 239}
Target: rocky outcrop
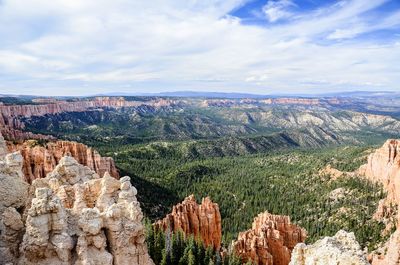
{"x": 70, "y": 217}
{"x": 39, "y": 160}
{"x": 332, "y": 173}
{"x": 270, "y": 240}
{"x": 340, "y": 249}
{"x": 384, "y": 167}
{"x": 13, "y": 194}
{"x": 3, "y": 147}
{"x": 14, "y": 134}
{"x": 389, "y": 253}
{"x": 202, "y": 221}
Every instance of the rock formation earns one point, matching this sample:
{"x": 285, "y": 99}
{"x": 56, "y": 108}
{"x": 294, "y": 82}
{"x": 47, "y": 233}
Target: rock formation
{"x": 3, "y": 147}
{"x": 70, "y": 217}
{"x": 389, "y": 253}
{"x": 203, "y": 221}
{"x": 13, "y": 193}
{"x": 39, "y": 160}
{"x": 11, "y": 125}
{"x": 270, "y": 101}
{"x": 270, "y": 241}
{"x": 384, "y": 167}
{"x": 340, "y": 249}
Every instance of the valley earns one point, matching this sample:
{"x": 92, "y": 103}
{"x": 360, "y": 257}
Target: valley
{"x": 293, "y": 157}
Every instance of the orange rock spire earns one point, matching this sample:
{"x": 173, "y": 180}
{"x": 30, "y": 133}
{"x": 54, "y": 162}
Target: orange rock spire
{"x": 270, "y": 240}
{"x": 203, "y": 221}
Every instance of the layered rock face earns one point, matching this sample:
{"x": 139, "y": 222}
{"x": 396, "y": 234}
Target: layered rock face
{"x": 41, "y": 160}
{"x": 71, "y": 217}
{"x": 340, "y": 249}
{"x": 12, "y": 127}
{"x": 270, "y": 241}
{"x": 267, "y": 101}
{"x": 202, "y": 221}
{"x": 384, "y": 167}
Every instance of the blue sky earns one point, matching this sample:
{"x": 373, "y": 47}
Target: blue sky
{"x": 81, "y": 47}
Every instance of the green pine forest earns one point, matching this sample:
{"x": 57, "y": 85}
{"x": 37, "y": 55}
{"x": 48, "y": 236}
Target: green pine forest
{"x": 245, "y": 168}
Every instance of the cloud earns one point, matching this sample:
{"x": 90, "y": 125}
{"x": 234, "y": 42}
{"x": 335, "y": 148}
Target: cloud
{"x": 163, "y": 45}
{"x": 278, "y": 9}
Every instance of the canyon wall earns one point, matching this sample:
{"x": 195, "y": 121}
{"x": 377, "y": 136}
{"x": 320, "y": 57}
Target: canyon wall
{"x": 270, "y": 101}
{"x": 39, "y": 160}
{"x": 384, "y": 167}
{"x": 202, "y": 221}
{"x": 12, "y": 127}
{"x": 270, "y": 240}
{"x": 70, "y": 217}
{"x": 79, "y": 105}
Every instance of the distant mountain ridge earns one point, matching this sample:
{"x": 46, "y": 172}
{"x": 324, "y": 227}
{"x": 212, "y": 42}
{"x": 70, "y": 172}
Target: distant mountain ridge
{"x": 239, "y": 95}
{"x": 228, "y": 95}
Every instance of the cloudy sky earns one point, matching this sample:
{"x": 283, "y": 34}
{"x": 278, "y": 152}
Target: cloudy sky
{"x": 81, "y": 47}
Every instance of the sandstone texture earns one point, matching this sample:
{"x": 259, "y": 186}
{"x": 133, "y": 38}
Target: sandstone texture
{"x": 13, "y": 193}
{"x": 341, "y": 249}
{"x": 384, "y": 167}
{"x": 270, "y": 241}
{"x": 39, "y": 160}
{"x": 70, "y": 217}
{"x": 202, "y": 221}
{"x": 389, "y": 253}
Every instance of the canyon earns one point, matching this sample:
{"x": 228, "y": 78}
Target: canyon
{"x": 64, "y": 203}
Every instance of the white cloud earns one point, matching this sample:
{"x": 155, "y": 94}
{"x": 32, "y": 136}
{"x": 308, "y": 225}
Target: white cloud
{"x": 278, "y": 9}
{"x": 172, "y": 45}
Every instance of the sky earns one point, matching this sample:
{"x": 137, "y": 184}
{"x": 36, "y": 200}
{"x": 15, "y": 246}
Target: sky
{"x": 84, "y": 47}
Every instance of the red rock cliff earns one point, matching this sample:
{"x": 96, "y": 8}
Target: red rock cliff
{"x": 202, "y": 220}
{"x": 40, "y": 160}
{"x": 384, "y": 167}
{"x": 270, "y": 240}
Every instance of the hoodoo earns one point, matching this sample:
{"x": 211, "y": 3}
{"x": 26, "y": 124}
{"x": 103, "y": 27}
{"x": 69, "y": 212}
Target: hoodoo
{"x": 202, "y": 221}
{"x": 73, "y": 216}
{"x": 270, "y": 240}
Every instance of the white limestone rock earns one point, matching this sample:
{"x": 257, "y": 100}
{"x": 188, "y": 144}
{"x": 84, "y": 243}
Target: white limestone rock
{"x": 341, "y": 249}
